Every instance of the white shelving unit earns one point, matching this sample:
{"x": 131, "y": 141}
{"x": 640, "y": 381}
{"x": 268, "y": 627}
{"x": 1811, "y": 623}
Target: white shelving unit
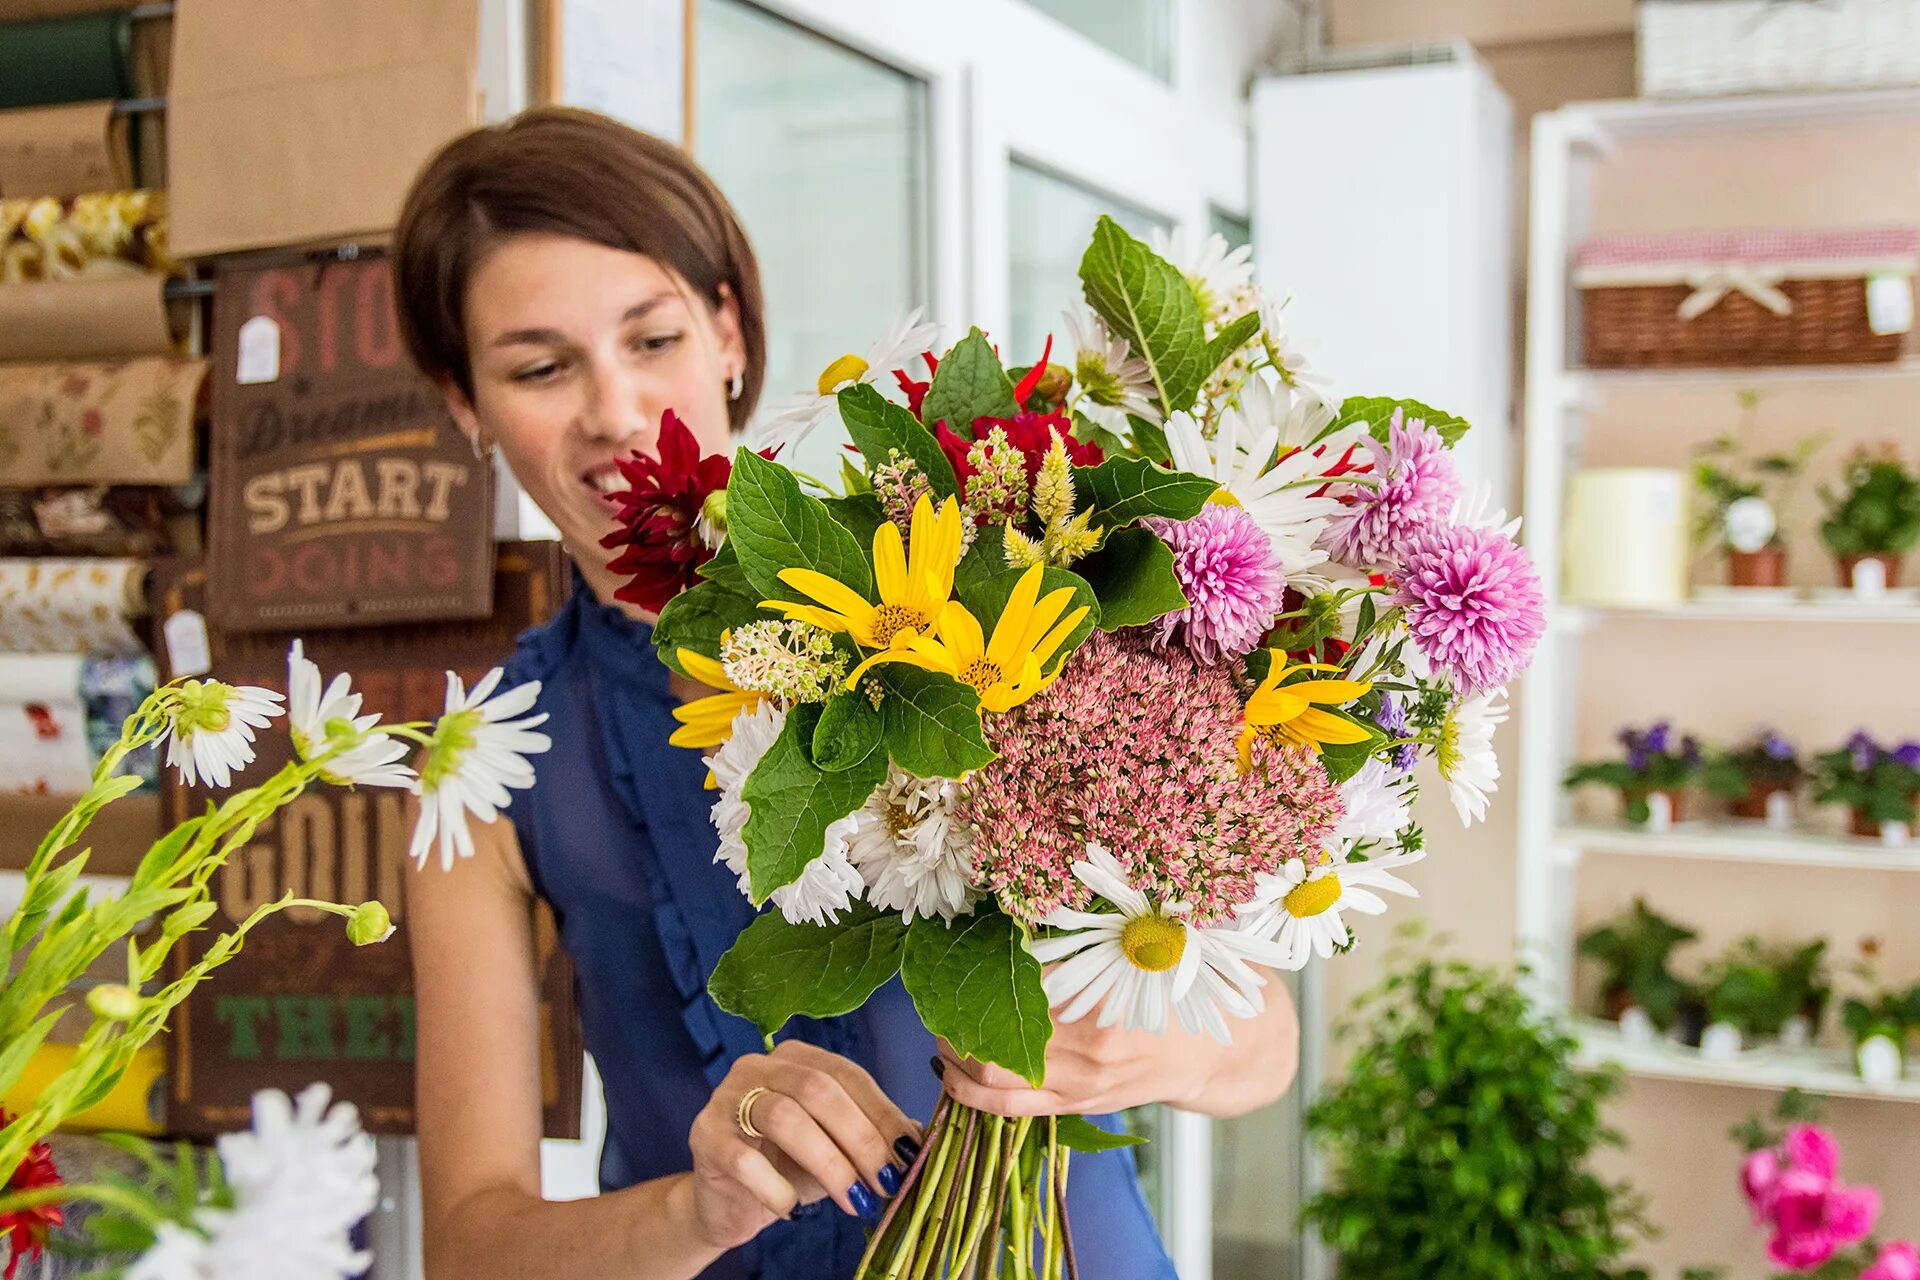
{"x": 1568, "y": 145}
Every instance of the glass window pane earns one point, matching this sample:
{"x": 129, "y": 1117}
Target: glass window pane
{"x": 1141, "y": 31}
{"x": 1050, "y": 221}
{"x": 824, "y": 154}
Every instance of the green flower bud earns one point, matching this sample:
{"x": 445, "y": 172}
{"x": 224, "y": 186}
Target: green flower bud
{"x": 369, "y": 923}
{"x": 114, "y": 1002}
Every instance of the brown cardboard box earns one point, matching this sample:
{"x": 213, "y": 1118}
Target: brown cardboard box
{"x": 304, "y": 121}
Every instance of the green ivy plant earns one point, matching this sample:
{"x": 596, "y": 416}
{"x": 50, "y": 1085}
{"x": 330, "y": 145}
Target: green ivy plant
{"x": 1878, "y": 510}
{"x": 1634, "y": 950}
{"x": 1460, "y": 1139}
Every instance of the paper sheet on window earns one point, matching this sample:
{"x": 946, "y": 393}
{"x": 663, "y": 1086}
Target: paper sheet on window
{"x": 627, "y": 58}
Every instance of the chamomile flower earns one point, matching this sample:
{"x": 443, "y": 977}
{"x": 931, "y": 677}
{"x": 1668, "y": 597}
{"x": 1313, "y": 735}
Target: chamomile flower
{"x": 210, "y": 734}
{"x": 1143, "y": 959}
{"x": 1285, "y": 497}
{"x": 1299, "y": 907}
{"x": 1465, "y": 752}
{"x": 475, "y": 754}
{"x": 1115, "y": 382}
{"x": 1288, "y": 357}
{"x": 798, "y": 416}
{"x": 914, "y": 857}
{"x": 327, "y": 722}
{"x": 1221, "y": 278}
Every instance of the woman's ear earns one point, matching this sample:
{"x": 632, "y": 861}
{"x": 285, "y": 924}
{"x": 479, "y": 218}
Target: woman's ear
{"x": 461, "y": 410}
{"x": 726, "y": 325}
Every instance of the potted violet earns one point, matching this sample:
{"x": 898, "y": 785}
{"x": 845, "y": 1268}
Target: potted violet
{"x": 1744, "y": 498}
{"x": 1651, "y": 780}
{"x": 1879, "y": 786}
{"x": 1633, "y": 950}
{"x": 1759, "y": 778}
{"x": 1873, "y": 520}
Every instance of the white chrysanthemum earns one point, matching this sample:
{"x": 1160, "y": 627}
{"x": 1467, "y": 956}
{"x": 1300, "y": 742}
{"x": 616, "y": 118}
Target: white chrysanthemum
{"x": 796, "y": 417}
{"x": 914, "y": 857}
{"x": 1144, "y": 958}
{"x": 1300, "y": 908}
{"x": 329, "y": 720}
{"x": 478, "y": 751}
{"x": 1220, "y": 277}
{"x": 210, "y": 736}
{"x": 1377, "y": 805}
{"x": 830, "y": 883}
{"x": 1465, "y": 752}
{"x": 302, "y": 1178}
{"x": 1115, "y": 383}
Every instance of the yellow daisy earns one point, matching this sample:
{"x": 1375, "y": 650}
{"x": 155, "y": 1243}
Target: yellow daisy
{"x": 707, "y": 722}
{"x": 1008, "y": 670}
{"x": 912, "y": 588}
{"x": 1286, "y": 714}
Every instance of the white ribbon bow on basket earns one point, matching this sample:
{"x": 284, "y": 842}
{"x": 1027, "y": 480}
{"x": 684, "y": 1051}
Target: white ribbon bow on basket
{"x": 1714, "y": 283}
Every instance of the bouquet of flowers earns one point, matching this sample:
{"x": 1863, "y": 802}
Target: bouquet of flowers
{"x": 1091, "y": 689}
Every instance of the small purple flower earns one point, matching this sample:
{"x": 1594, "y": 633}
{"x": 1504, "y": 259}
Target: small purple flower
{"x": 1908, "y": 754}
{"x": 1658, "y": 737}
{"x": 1628, "y": 737}
{"x": 1473, "y": 603}
{"x": 1777, "y": 747}
{"x": 1690, "y": 750}
{"x": 1638, "y": 759}
{"x": 1393, "y": 722}
{"x": 1866, "y": 752}
{"x": 1416, "y": 489}
{"x": 1232, "y": 580}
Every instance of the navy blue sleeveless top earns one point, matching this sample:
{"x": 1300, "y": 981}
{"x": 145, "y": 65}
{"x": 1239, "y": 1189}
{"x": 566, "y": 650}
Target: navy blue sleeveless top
{"x": 617, "y": 839}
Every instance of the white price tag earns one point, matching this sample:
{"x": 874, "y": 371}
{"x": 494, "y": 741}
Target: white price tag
{"x": 259, "y": 352}
{"x": 1890, "y": 303}
{"x": 188, "y": 651}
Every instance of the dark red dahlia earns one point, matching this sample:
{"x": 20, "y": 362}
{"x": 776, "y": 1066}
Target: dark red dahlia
{"x": 916, "y": 392}
{"x": 659, "y": 542}
{"x": 25, "y": 1230}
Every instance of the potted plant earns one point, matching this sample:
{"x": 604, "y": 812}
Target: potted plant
{"x": 1878, "y": 785}
{"x": 1744, "y": 499}
{"x": 1751, "y": 991}
{"x": 1879, "y": 1022}
{"x": 1652, "y": 779}
{"x": 1634, "y": 950}
{"x": 1875, "y": 517}
{"x": 1759, "y": 777}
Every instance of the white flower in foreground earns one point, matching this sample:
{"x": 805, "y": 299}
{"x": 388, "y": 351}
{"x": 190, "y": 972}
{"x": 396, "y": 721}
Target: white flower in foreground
{"x": 1115, "y": 382}
{"x": 796, "y": 417}
{"x": 1378, "y": 805}
{"x": 1221, "y": 278}
{"x": 913, "y": 856}
{"x": 210, "y": 737}
{"x": 301, "y": 1179}
{"x": 329, "y": 719}
{"x": 476, "y": 753}
{"x": 1289, "y": 358}
{"x": 1144, "y": 959}
{"x": 1475, "y": 510}
{"x": 1300, "y": 908}
{"x": 830, "y": 883}
{"x": 1465, "y": 752}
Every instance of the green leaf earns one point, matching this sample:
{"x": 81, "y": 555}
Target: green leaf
{"x": 1377, "y": 413}
{"x": 970, "y": 383}
{"x": 1343, "y": 760}
{"x": 697, "y": 618}
{"x": 21, "y": 1048}
{"x": 1133, "y": 578}
{"x": 859, "y": 514}
{"x": 771, "y": 526}
{"x": 793, "y": 802}
{"x": 1078, "y": 1133}
{"x": 932, "y": 722}
{"x": 725, "y": 569}
{"x": 1151, "y": 439}
{"x": 777, "y": 970}
{"x": 1144, "y": 299}
{"x": 974, "y": 983}
{"x": 878, "y": 426}
{"x": 1230, "y": 339}
{"x": 986, "y": 599}
{"x": 985, "y": 560}
{"x": 1122, "y": 490}
{"x": 162, "y": 853}
{"x": 848, "y": 733}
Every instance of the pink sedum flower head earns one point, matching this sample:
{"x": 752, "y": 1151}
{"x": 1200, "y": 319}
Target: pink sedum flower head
{"x": 1416, "y": 488}
{"x": 1897, "y": 1261}
{"x": 1231, "y": 578}
{"x": 1473, "y": 602}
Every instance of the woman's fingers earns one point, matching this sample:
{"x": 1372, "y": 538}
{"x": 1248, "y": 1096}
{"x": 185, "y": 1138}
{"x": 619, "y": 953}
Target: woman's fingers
{"x": 796, "y": 1129}
{"x": 747, "y": 1165}
{"x": 891, "y": 1123}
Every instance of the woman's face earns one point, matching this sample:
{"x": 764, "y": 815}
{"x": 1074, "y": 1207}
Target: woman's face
{"x": 577, "y": 350}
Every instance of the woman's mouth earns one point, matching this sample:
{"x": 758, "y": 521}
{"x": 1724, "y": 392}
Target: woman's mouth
{"x": 606, "y": 483}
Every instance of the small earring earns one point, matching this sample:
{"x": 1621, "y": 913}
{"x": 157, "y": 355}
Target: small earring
{"x": 737, "y": 387}
{"x": 481, "y": 452}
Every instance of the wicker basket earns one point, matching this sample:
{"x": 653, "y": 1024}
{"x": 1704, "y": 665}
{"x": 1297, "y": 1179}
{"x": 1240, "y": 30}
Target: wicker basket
{"x": 1747, "y": 298}
{"x": 1691, "y": 48}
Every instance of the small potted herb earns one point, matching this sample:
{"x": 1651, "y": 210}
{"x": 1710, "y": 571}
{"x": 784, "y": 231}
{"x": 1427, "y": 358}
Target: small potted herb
{"x": 1752, "y": 991}
{"x": 1879, "y": 1024}
{"x": 1744, "y": 499}
{"x": 1653, "y": 777}
{"x": 1874, "y": 517}
{"x": 1879, "y": 785}
{"x": 1760, "y": 777}
{"x": 1633, "y": 951}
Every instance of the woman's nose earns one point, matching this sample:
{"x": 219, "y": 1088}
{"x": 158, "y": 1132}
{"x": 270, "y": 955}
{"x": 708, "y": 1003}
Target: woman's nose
{"x": 619, "y": 409}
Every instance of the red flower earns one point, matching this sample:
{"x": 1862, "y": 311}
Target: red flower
{"x": 659, "y": 542}
{"x": 917, "y": 391}
{"x": 25, "y": 1230}
{"x": 1033, "y": 435}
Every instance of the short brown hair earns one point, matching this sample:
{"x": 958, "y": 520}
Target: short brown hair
{"x": 566, "y": 172}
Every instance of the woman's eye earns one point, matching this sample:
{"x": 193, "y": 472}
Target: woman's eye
{"x": 657, "y": 342}
{"x": 536, "y": 373}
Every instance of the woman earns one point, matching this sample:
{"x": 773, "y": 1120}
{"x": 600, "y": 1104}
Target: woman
{"x": 565, "y": 280}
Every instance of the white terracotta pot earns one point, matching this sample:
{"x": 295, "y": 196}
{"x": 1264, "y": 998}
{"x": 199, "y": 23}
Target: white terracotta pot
{"x": 1880, "y": 1060}
{"x": 1720, "y": 1042}
{"x": 1637, "y": 1029}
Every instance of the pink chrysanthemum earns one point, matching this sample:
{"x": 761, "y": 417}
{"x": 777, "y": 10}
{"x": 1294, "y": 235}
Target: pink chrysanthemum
{"x": 1231, "y": 578}
{"x": 1135, "y": 749}
{"x": 1417, "y": 488}
{"x": 1473, "y": 603}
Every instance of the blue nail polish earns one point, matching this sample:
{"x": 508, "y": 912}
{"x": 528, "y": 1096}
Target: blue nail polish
{"x": 889, "y": 1180}
{"x": 906, "y": 1148}
{"x": 863, "y": 1203}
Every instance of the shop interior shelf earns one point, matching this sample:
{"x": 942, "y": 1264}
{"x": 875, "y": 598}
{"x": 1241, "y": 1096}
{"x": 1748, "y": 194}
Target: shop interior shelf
{"x": 1580, "y": 379}
{"x": 1579, "y": 617}
{"x": 1816, "y": 1070}
{"x": 1750, "y": 842}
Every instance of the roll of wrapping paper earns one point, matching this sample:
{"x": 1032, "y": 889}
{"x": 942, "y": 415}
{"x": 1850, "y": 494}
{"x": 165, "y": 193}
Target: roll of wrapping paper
{"x": 64, "y": 151}
{"x": 109, "y": 422}
{"x": 48, "y": 61}
{"x": 90, "y": 317}
{"x": 1626, "y": 537}
{"x": 71, "y": 606}
{"x": 42, "y": 238}
{"x": 133, "y": 1106}
{"x": 44, "y": 747}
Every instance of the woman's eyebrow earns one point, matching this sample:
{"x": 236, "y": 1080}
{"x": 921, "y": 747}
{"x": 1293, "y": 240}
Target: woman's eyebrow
{"x": 554, "y": 338}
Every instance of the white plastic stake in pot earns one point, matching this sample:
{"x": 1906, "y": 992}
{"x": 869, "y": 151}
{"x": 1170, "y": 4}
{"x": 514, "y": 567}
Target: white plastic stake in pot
{"x": 1893, "y": 833}
{"x": 1660, "y": 812}
{"x": 1720, "y": 1042}
{"x": 1637, "y": 1029}
{"x": 1780, "y": 810}
{"x": 1880, "y": 1061}
{"x": 1869, "y": 579}
{"x": 1796, "y": 1032}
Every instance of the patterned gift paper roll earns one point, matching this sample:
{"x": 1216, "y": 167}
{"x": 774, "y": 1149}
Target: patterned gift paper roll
{"x": 99, "y": 422}
{"x": 90, "y": 317}
{"x": 71, "y": 606}
{"x": 43, "y": 724}
{"x": 1626, "y": 537}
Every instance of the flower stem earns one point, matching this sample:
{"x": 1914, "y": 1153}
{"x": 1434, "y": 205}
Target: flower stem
{"x": 68, "y": 1192}
{"x": 908, "y": 1185}
{"x": 904, "y": 1252}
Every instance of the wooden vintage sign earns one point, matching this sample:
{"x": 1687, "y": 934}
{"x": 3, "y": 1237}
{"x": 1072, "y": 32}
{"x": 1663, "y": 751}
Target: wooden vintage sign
{"x": 301, "y": 1003}
{"x": 342, "y": 493}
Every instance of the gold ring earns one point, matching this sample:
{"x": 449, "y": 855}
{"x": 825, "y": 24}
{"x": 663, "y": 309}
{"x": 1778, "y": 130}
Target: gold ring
{"x": 743, "y": 1114}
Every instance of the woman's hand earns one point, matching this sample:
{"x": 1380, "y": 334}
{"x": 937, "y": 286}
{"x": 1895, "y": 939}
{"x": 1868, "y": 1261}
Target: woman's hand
{"x": 1093, "y": 1070}
{"x": 828, "y": 1131}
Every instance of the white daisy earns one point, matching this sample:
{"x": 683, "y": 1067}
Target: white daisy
{"x": 1221, "y": 278}
{"x": 1280, "y": 497}
{"x": 1377, "y": 805}
{"x": 1474, "y": 509}
{"x": 1298, "y": 416}
{"x": 1143, "y": 959}
{"x": 1465, "y": 752}
{"x": 1288, "y": 357}
{"x": 329, "y": 721}
{"x": 914, "y": 857}
{"x": 830, "y": 883}
{"x": 796, "y": 417}
{"x": 1299, "y": 908}
{"x": 210, "y": 733}
{"x": 1113, "y": 382}
{"x": 476, "y": 752}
